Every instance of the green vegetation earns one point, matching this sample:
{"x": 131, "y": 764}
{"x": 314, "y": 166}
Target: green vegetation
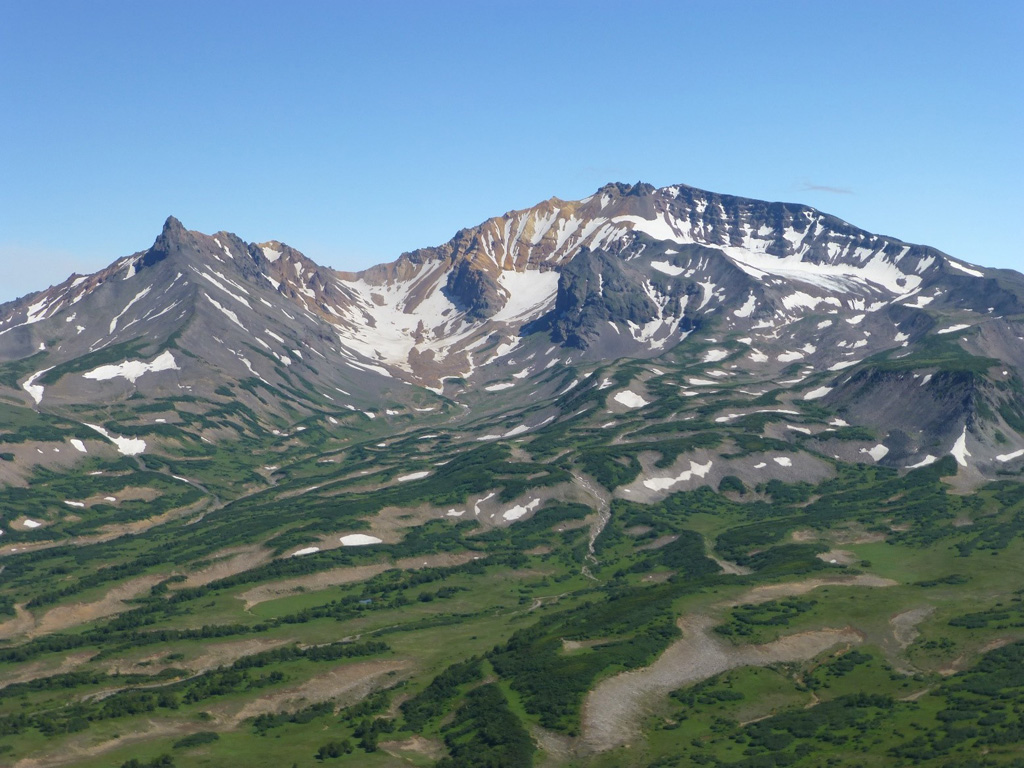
{"x": 165, "y": 600}
{"x": 432, "y": 701}
{"x": 746, "y": 620}
{"x": 485, "y": 732}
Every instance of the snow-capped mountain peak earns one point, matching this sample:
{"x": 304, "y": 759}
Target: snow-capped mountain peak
{"x": 630, "y": 270}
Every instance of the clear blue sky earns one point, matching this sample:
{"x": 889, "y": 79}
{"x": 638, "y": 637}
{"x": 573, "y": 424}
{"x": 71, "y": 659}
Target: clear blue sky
{"x": 356, "y": 130}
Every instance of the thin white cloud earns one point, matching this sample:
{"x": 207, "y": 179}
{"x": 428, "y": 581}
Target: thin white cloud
{"x": 809, "y": 187}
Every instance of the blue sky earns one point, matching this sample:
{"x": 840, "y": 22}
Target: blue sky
{"x": 356, "y": 130}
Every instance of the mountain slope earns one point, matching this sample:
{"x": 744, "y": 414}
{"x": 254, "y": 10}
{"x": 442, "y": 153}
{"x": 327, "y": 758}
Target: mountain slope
{"x": 652, "y": 452}
{"x": 630, "y": 271}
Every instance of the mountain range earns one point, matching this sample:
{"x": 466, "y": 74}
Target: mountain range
{"x": 903, "y": 339}
{"x": 655, "y": 478}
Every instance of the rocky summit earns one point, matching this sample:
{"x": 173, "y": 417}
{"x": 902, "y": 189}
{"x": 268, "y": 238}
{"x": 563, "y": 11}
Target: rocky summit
{"x": 775, "y": 295}
{"x": 656, "y": 477}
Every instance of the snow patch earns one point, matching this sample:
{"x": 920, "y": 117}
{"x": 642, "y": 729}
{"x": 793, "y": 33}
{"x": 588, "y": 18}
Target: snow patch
{"x": 358, "y": 540}
{"x": 216, "y": 283}
{"x": 747, "y": 308}
{"x": 843, "y": 364}
{"x": 659, "y": 228}
{"x": 227, "y": 312}
{"x": 714, "y": 355}
{"x": 664, "y": 483}
{"x": 962, "y": 268}
{"x": 133, "y": 369}
{"x": 1005, "y": 457}
{"x": 959, "y": 449}
{"x": 630, "y": 399}
{"x": 35, "y": 390}
{"x": 126, "y": 446}
{"x": 920, "y": 302}
{"x": 877, "y": 453}
{"x": 669, "y": 269}
{"x": 814, "y": 394}
{"x": 529, "y": 292}
{"x": 519, "y": 510}
{"x": 140, "y": 295}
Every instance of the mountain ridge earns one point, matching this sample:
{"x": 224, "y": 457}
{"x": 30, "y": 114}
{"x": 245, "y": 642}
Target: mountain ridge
{"x": 797, "y": 297}
{"x": 521, "y": 462}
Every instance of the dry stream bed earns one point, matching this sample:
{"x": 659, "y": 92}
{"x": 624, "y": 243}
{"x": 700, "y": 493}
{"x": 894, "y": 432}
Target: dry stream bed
{"x": 614, "y": 710}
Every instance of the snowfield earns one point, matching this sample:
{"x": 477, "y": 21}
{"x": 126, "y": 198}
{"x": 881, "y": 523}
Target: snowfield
{"x": 630, "y": 399}
{"x": 133, "y": 369}
{"x": 126, "y": 446}
{"x": 358, "y": 540}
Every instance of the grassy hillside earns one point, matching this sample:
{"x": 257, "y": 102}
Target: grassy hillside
{"x": 695, "y": 581}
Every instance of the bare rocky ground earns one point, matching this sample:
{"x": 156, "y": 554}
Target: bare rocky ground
{"x": 311, "y": 583}
{"x": 434, "y": 750}
{"x": 228, "y": 563}
{"x": 904, "y": 625}
{"x": 21, "y": 624}
{"x": 730, "y": 568}
{"x": 348, "y": 684}
{"x": 214, "y": 655}
{"x": 62, "y": 617}
{"x": 114, "y": 530}
{"x": 768, "y": 592}
{"x": 32, "y": 670}
{"x": 838, "y": 556}
{"x": 24, "y": 624}
{"x": 614, "y": 710}
{"x": 80, "y": 748}
{"x": 337, "y": 576}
